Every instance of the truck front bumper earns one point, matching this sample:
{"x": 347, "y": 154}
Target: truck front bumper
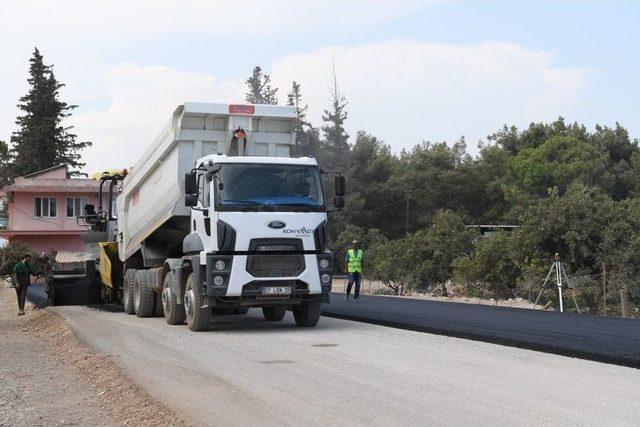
{"x": 227, "y": 276}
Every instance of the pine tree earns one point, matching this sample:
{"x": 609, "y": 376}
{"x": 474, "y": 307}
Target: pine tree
{"x": 307, "y": 137}
{"x": 294, "y": 99}
{"x": 42, "y": 141}
{"x": 6, "y": 173}
{"x": 335, "y": 135}
{"x": 260, "y": 90}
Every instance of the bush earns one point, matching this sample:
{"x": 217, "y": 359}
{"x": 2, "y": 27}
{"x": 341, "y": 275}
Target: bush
{"x": 490, "y": 268}
{"x": 11, "y": 254}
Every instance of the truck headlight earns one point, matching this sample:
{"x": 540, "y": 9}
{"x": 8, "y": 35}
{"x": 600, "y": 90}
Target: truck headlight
{"x": 325, "y": 278}
{"x": 218, "y": 281}
{"x": 220, "y": 265}
{"x": 324, "y": 263}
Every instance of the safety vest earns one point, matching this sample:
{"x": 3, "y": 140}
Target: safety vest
{"x": 355, "y": 261}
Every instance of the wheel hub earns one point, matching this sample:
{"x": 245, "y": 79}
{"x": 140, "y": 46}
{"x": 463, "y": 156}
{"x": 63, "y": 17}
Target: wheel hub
{"x": 189, "y": 301}
{"x": 166, "y": 298}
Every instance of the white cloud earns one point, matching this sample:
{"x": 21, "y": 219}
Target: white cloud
{"x": 401, "y": 91}
{"x": 407, "y": 91}
{"x": 142, "y": 100}
{"x": 230, "y": 18}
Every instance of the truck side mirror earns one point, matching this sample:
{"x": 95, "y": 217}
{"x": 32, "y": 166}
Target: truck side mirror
{"x": 190, "y": 184}
{"x": 190, "y": 200}
{"x": 338, "y": 202}
{"x": 339, "y": 186}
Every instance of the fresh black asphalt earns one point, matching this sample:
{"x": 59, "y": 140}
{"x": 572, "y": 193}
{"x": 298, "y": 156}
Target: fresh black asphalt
{"x": 603, "y": 339}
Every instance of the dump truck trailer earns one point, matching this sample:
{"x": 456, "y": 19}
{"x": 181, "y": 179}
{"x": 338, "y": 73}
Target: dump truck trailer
{"x": 216, "y": 216}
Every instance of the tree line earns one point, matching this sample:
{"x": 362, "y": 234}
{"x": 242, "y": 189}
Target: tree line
{"x": 569, "y": 190}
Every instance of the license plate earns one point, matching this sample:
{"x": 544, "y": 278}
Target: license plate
{"x": 276, "y": 290}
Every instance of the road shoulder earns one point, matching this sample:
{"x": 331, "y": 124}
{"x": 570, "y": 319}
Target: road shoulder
{"x": 49, "y": 376}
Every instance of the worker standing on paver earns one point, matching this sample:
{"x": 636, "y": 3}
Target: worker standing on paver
{"x": 353, "y": 267}
{"x": 22, "y": 271}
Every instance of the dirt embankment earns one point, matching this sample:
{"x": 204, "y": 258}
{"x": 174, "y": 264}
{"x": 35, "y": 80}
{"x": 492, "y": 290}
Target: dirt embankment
{"x": 48, "y": 376}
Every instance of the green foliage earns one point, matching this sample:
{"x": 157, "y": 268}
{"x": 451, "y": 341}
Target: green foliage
{"x": 490, "y": 267}
{"x": 571, "y": 225}
{"x": 422, "y": 259}
{"x": 619, "y": 247}
{"x": 6, "y": 172}
{"x": 42, "y": 140}
{"x": 390, "y": 264}
{"x": 259, "y": 90}
{"x": 447, "y": 239}
{"x": 335, "y": 150}
{"x": 558, "y": 162}
{"x": 11, "y": 254}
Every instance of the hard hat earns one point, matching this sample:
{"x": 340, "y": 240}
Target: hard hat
{"x": 355, "y": 241}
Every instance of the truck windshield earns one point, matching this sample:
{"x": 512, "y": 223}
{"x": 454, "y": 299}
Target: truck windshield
{"x": 241, "y": 186}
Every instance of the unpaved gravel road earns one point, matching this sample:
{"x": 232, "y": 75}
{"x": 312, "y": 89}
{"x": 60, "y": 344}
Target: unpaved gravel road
{"x": 246, "y": 371}
{"x": 49, "y": 377}
{"x": 35, "y": 387}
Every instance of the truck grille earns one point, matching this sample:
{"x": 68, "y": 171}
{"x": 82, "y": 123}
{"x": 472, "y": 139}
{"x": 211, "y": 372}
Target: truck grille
{"x": 275, "y": 258}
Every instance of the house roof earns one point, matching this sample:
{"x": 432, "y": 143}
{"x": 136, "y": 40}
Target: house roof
{"x": 52, "y": 185}
{"x": 51, "y": 180}
{"x": 47, "y": 170}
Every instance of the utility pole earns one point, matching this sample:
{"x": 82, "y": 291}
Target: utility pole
{"x": 406, "y": 212}
{"x": 604, "y": 288}
{"x": 623, "y": 301}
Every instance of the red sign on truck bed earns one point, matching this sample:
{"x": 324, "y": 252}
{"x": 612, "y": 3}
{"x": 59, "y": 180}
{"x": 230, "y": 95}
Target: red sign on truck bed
{"x": 241, "y": 109}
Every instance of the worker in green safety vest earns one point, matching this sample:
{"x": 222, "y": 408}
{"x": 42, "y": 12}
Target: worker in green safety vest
{"x": 353, "y": 267}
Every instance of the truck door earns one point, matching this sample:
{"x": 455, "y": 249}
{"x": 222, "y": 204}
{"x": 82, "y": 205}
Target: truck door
{"x": 202, "y": 218}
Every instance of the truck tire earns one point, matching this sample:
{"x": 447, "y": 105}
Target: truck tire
{"x": 127, "y": 291}
{"x": 158, "y": 309}
{"x": 198, "y": 318}
{"x": 275, "y": 313}
{"x": 173, "y": 312}
{"x": 142, "y": 295}
{"x": 307, "y": 313}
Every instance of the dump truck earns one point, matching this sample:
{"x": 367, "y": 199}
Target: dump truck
{"x": 217, "y": 217}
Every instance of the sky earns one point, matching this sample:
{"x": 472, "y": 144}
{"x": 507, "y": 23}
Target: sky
{"x": 411, "y": 71}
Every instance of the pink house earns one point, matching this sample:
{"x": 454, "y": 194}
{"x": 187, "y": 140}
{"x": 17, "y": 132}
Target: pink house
{"x": 43, "y": 208}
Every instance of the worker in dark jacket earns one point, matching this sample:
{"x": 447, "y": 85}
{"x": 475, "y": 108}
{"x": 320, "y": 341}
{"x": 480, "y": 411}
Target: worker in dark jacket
{"x": 22, "y": 272}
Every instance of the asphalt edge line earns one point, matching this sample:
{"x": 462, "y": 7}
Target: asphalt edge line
{"x": 544, "y": 348}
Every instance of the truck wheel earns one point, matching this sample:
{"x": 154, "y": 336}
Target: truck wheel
{"x": 307, "y": 313}
{"x": 127, "y": 291}
{"x": 274, "y": 313}
{"x": 197, "y": 317}
{"x": 142, "y": 295}
{"x": 173, "y": 312}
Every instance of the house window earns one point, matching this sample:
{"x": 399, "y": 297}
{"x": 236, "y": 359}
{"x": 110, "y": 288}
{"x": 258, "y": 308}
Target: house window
{"x": 75, "y": 206}
{"x": 45, "y": 207}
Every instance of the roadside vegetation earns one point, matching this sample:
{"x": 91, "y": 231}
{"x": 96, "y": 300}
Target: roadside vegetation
{"x": 569, "y": 190}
